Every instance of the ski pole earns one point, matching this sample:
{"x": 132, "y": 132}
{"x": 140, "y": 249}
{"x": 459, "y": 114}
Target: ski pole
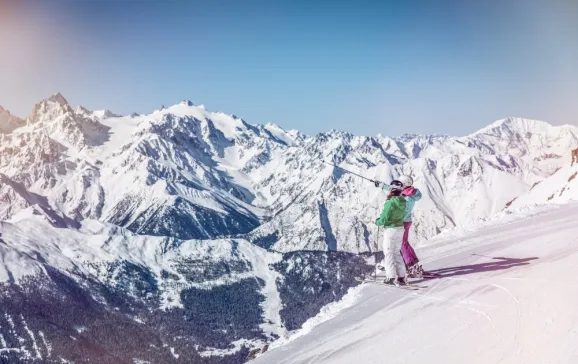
{"x": 348, "y": 171}
{"x": 375, "y": 257}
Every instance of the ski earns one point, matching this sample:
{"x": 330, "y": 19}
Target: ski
{"x": 416, "y": 285}
{"x": 428, "y": 275}
{"x": 367, "y": 280}
{"x": 409, "y": 287}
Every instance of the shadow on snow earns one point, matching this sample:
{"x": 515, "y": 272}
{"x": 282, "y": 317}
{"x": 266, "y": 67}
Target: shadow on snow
{"x": 498, "y": 263}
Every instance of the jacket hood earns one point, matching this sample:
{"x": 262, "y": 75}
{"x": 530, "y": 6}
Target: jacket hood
{"x": 408, "y": 191}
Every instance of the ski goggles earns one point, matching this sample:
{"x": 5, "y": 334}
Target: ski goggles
{"x": 396, "y": 185}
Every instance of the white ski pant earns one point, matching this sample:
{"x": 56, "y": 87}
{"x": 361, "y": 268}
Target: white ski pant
{"x": 393, "y": 261}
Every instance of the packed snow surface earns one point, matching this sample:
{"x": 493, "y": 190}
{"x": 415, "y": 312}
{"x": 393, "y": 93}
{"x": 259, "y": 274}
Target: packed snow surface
{"x": 507, "y": 296}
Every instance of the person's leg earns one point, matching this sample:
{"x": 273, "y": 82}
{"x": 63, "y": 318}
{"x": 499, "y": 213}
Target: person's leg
{"x": 389, "y": 251}
{"x": 379, "y": 249}
{"x": 406, "y": 227}
{"x": 397, "y": 238}
{"x": 409, "y": 256}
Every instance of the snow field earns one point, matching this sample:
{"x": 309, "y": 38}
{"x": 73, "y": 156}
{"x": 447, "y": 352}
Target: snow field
{"x": 507, "y": 296}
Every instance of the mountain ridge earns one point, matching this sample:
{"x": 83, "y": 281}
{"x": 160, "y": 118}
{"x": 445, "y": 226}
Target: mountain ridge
{"x": 186, "y": 235}
{"x": 177, "y": 152}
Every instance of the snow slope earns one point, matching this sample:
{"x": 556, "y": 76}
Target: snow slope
{"x": 561, "y": 187}
{"x": 505, "y": 297}
{"x": 205, "y": 301}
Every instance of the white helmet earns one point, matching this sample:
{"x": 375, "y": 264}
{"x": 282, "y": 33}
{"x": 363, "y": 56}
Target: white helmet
{"x": 406, "y": 180}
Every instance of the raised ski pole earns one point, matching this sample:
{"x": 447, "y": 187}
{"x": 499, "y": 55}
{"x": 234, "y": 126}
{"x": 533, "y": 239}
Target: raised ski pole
{"x": 376, "y": 183}
{"x": 348, "y": 171}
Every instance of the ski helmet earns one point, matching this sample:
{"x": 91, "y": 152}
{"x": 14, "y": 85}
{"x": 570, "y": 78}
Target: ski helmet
{"x": 406, "y": 180}
{"x": 396, "y": 185}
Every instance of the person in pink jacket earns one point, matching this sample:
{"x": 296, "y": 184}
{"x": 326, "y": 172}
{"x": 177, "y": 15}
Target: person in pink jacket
{"x": 411, "y": 195}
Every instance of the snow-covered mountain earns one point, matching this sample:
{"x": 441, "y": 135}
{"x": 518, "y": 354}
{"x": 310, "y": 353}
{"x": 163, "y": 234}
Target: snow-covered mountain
{"x": 463, "y": 179}
{"x": 223, "y": 234}
{"x": 9, "y": 122}
{"x": 561, "y": 187}
{"x": 100, "y": 293}
{"x": 185, "y": 172}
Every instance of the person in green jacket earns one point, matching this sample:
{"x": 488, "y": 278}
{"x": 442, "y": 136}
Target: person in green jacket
{"x": 391, "y": 220}
{"x": 411, "y": 195}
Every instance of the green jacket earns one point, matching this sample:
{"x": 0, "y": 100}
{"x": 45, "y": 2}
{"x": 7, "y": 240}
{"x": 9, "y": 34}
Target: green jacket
{"x": 393, "y": 213}
{"x": 413, "y": 196}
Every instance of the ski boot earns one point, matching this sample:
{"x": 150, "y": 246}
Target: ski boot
{"x": 391, "y": 282}
{"x": 415, "y": 271}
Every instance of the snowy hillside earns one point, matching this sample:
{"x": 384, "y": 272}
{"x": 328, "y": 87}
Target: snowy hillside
{"x": 505, "y": 297}
{"x": 100, "y": 293}
{"x": 561, "y": 187}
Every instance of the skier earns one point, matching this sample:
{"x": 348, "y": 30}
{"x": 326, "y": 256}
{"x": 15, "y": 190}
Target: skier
{"x": 411, "y": 195}
{"x": 392, "y": 220}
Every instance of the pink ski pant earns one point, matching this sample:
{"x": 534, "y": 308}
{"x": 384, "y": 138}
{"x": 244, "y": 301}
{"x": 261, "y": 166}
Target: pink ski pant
{"x": 409, "y": 256}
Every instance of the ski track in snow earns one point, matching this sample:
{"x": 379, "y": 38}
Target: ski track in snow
{"x": 489, "y": 320}
{"x": 493, "y": 307}
{"x": 518, "y": 316}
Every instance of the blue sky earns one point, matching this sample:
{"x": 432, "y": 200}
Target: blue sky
{"x": 366, "y": 67}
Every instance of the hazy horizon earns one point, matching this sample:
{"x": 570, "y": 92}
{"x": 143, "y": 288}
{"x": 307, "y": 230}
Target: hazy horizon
{"x": 74, "y": 106}
{"x": 373, "y": 67}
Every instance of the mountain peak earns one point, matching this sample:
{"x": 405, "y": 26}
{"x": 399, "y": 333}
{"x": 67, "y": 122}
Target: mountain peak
{"x": 104, "y": 114}
{"x": 515, "y": 124}
{"x": 99, "y": 114}
{"x": 59, "y": 99}
{"x": 8, "y": 122}
{"x": 273, "y": 125}
{"x": 338, "y": 133}
{"x": 82, "y": 110}
{"x": 55, "y": 105}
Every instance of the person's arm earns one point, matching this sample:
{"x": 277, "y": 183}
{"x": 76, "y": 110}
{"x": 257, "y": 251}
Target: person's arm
{"x": 383, "y": 185}
{"x": 415, "y": 197}
{"x": 384, "y": 214}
